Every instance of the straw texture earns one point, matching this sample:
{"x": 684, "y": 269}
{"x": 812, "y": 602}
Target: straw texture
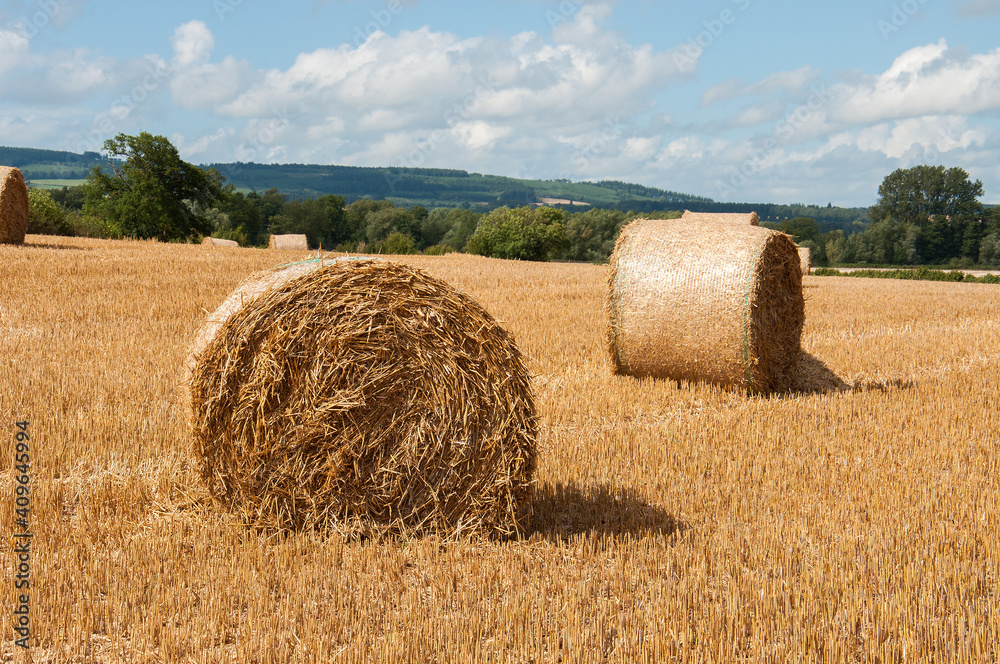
{"x": 705, "y": 300}
{"x": 13, "y": 206}
{"x": 805, "y": 259}
{"x": 289, "y": 243}
{"x": 363, "y": 396}
{"x": 728, "y": 217}
{"x": 219, "y": 242}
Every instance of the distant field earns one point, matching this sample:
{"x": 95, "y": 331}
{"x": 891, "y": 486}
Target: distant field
{"x": 55, "y": 184}
{"x": 672, "y": 523}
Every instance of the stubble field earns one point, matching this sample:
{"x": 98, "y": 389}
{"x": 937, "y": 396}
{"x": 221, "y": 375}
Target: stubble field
{"x": 671, "y": 522}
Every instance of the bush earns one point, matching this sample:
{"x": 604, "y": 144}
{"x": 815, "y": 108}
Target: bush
{"x": 45, "y": 216}
{"x": 88, "y": 225}
{"x": 397, "y": 243}
{"x": 438, "y": 250}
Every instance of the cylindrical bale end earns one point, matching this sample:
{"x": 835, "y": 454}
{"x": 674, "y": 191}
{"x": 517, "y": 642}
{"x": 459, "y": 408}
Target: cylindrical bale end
{"x": 363, "y": 396}
{"x": 710, "y": 301}
{"x": 13, "y": 206}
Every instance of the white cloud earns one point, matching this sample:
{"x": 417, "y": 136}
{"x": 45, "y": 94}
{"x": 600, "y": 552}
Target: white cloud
{"x": 926, "y": 80}
{"x": 193, "y": 43}
{"x": 13, "y": 48}
{"x": 782, "y": 81}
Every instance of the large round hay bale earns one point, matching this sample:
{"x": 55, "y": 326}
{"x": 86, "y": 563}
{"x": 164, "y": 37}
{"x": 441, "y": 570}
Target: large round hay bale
{"x": 805, "y": 260}
{"x": 730, "y": 217}
{"x": 291, "y": 242}
{"x": 13, "y": 206}
{"x": 711, "y": 301}
{"x": 365, "y": 396}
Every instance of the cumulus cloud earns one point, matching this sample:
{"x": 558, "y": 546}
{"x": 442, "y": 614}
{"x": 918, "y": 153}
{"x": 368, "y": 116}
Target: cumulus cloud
{"x": 781, "y": 81}
{"x": 925, "y": 80}
{"x": 196, "y": 82}
{"x": 432, "y": 97}
{"x": 193, "y": 43}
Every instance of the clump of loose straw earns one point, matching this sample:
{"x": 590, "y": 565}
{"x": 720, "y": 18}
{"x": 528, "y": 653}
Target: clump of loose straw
{"x": 13, "y": 206}
{"x": 703, "y": 300}
{"x": 363, "y": 396}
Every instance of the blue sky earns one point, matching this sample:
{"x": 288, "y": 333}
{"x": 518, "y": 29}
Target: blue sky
{"x": 738, "y": 100}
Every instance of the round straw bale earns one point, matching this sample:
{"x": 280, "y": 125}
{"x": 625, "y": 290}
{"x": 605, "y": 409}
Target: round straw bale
{"x": 731, "y": 217}
{"x": 219, "y": 242}
{"x": 13, "y": 206}
{"x": 289, "y": 242}
{"x": 805, "y": 259}
{"x": 704, "y": 300}
{"x": 363, "y": 396}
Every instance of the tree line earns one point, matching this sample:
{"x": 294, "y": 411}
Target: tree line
{"x": 924, "y": 215}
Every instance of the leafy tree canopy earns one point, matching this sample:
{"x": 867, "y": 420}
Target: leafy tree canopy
{"x": 525, "y": 233}
{"x": 915, "y": 195}
{"x": 150, "y": 192}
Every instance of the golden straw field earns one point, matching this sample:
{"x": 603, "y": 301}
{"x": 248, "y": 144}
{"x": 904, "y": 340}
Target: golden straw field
{"x": 672, "y": 523}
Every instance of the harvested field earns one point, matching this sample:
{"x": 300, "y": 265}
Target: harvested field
{"x": 672, "y": 522}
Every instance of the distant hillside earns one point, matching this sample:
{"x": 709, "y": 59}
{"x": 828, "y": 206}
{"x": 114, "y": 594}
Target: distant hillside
{"x": 50, "y": 164}
{"x": 435, "y": 187}
{"x": 440, "y": 187}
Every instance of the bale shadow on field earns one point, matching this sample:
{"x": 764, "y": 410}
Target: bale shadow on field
{"x": 812, "y": 376}
{"x": 883, "y": 385}
{"x": 561, "y": 511}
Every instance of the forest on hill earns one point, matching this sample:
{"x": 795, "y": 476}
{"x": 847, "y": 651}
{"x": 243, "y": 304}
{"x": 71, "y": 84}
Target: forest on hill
{"x": 436, "y": 188}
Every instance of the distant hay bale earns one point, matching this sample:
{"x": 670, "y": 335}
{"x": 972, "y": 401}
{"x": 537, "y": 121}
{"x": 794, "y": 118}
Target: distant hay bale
{"x": 805, "y": 260}
{"x": 219, "y": 242}
{"x": 13, "y": 206}
{"x": 363, "y": 396}
{"x": 729, "y": 217}
{"x": 705, "y": 300}
{"x": 289, "y": 243}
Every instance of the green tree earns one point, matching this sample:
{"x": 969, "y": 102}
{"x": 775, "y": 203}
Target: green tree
{"x": 320, "y": 219}
{"x": 461, "y": 224}
{"x": 380, "y": 224}
{"x": 941, "y": 206}
{"x": 591, "y": 235}
{"x": 243, "y": 216}
{"x": 524, "y": 233}
{"x": 150, "y": 192}
{"x": 45, "y": 216}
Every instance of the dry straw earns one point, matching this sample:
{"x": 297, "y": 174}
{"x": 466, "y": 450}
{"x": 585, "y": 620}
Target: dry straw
{"x": 289, "y": 243}
{"x": 729, "y": 217}
{"x": 805, "y": 259}
{"x": 364, "y": 396}
{"x": 219, "y": 242}
{"x": 13, "y": 206}
{"x": 705, "y": 300}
